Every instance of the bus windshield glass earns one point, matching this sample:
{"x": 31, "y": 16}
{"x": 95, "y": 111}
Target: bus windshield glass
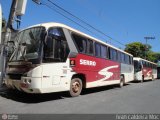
{"x": 137, "y": 66}
{"x": 29, "y": 44}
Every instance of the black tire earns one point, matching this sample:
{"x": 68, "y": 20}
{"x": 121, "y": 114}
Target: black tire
{"x": 152, "y": 77}
{"x": 122, "y": 81}
{"x": 75, "y": 87}
{"x": 142, "y": 79}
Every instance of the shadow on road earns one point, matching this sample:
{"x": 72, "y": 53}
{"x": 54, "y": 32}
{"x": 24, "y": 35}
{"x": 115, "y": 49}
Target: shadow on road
{"x": 38, "y": 98}
{"x": 142, "y": 82}
{"x": 31, "y": 98}
{"x": 100, "y": 89}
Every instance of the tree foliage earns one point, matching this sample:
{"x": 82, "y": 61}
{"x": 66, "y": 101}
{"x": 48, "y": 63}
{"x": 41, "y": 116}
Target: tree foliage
{"x": 157, "y": 57}
{"x": 138, "y": 49}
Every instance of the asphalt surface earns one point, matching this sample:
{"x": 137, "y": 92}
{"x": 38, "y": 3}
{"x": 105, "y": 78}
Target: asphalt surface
{"x": 132, "y": 98}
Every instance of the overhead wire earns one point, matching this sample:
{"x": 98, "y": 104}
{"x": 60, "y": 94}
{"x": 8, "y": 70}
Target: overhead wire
{"x": 68, "y": 18}
{"x": 44, "y": 3}
{"x": 96, "y": 12}
{"x": 84, "y": 22}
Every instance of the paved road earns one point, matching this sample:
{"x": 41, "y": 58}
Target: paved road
{"x": 133, "y": 98}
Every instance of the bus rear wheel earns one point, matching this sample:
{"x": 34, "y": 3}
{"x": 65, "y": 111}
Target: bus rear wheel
{"x": 122, "y": 82}
{"x": 152, "y": 77}
{"x": 142, "y": 79}
{"x": 75, "y": 87}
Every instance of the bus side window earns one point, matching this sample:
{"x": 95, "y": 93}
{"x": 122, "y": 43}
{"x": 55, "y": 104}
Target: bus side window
{"x": 97, "y": 50}
{"x": 122, "y": 58}
{"x": 109, "y": 53}
{"x": 127, "y": 59}
{"x": 115, "y": 55}
{"x": 103, "y": 51}
{"x": 118, "y": 56}
{"x": 89, "y": 47}
{"x": 145, "y": 64}
{"x": 80, "y": 42}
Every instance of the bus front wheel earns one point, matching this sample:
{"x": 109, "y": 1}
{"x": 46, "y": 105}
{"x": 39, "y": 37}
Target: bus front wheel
{"x": 75, "y": 87}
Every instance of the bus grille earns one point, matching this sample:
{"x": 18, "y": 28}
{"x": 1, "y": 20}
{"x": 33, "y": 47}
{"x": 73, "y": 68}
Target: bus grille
{"x": 15, "y": 76}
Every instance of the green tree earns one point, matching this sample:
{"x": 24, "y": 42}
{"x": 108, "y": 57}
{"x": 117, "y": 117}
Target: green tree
{"x": 157, "y": 57}
{"x": 151, "y": 56}
{"x": 137, "y": 49}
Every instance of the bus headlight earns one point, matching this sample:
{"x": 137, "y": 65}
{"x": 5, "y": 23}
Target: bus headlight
{"x": 25, "y": 80}
{"x": 29, "y": 81}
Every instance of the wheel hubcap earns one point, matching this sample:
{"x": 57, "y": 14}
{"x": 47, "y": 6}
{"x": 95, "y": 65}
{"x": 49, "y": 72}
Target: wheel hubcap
{"x": 76, "y": 87}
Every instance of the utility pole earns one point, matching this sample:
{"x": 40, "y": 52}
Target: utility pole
{"x": 17, "y": 9}
{"x": 0, "y": 37}
{"x": 12, "y": 14}
{"x": 146, "y": 47}
{"x": 7, "y": 38}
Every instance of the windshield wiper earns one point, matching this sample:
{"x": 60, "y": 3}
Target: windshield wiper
{"x": 32, "y": 36}
{"x": 24, "y": 51}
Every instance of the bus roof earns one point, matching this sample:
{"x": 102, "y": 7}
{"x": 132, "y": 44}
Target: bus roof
{"x": 138, "y": 58}
{"x": 54, "y": 24}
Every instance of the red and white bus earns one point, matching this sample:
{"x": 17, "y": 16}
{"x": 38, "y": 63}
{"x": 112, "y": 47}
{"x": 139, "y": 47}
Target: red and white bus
{"x": 53, "y": 57}
{"x": 144, "y": 69}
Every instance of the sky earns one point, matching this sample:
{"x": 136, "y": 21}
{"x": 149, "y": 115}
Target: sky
{"x": 125, "y": 21}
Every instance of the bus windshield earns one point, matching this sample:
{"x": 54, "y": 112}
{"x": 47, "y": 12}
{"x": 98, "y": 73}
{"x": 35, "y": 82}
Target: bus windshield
{"x": 137, "y": 66}
{"x": 29, "y": 44}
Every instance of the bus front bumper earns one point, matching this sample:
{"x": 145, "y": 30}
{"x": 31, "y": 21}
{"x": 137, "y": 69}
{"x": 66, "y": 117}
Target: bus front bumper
{"x": 26, "y": 84}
